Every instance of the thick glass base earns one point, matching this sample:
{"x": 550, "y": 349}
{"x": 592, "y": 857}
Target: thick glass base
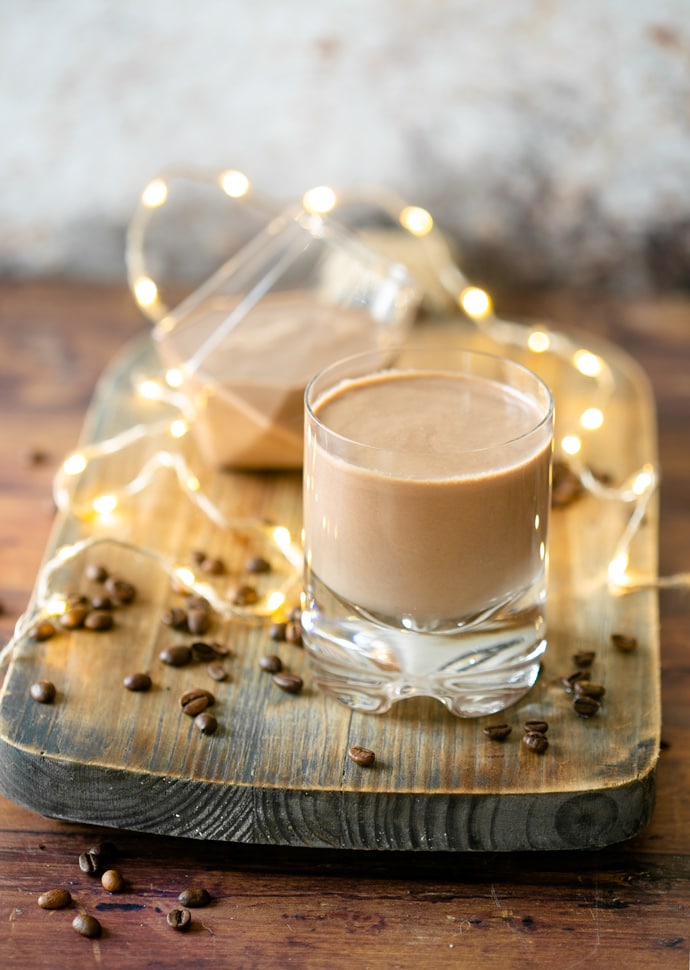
{"x": 474, "y": 671}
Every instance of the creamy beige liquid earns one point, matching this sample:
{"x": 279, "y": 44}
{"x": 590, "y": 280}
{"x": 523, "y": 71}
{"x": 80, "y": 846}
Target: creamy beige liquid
{"x": 248, "y": 391}
{"x": 444, "y": 514}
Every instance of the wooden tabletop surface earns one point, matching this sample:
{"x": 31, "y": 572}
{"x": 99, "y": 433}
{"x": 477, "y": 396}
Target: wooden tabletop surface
{"x": 625, "y": 906}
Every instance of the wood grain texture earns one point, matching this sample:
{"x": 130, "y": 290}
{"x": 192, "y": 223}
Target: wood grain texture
{"x": 276, "y": 906}
{"x": 277, "y": 771}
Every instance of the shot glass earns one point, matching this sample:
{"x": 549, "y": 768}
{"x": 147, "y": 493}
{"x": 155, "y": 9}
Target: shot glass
{"x": 426, "y": 506}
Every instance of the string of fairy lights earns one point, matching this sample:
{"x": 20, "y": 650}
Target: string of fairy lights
{"x": 168, "y": 439}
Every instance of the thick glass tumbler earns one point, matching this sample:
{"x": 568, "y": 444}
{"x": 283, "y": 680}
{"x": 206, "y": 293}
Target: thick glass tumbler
{"x": 426, "y": 506}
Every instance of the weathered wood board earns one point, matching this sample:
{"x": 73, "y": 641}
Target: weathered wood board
{"x": 277, "y": 769}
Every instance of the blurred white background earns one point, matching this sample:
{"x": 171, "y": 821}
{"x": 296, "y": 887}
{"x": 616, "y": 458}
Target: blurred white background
{"x": 550, "y": 139}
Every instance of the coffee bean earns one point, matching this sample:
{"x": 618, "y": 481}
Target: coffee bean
{"x": 217, "y": 672}
{"x": 288, "y": 682}
{"x": 179, "y": 919}
{"x": 203, "y": 651}
{"x": 176, "y": 618}
{"x": 76, "y": 599}
{"x": 244, "y": 595}
{"x": 588, "y": 688}
{"x": 194, "y": 898}
{"x": 96, "y": 572}
{"x": 101, "y": 602}
{"x": 364, "y": 757}
{"x": 583, "y": 659}
{"x": 497, "y": 732}
{"x": 195, "y": 701}
{"x": 586, "y": 706}
{"x": 112, "y": 881}
{"x": 212, "y": 566}
{"x": 196, "y": 602}
{"x": 295, "y": 615}
{"x": 535, "y": 741}
{"x": 120, "y": 590}
{"x": 176, "y": 656}
{"x": 87, "y": 926}
{"x": 293, "y": 633}
{"x": 43, "y": 630}
{"x": 43, "y": 691}
{"x": 137, "y": 682}
{"x": 198, "y": 621}
{"x": 206, "y": 723}
{"x": 569, "y": 681}
{"x": 90, "y": 862}
{"x": 276, "y": 632}
{"x": 55, "y": 899}
{"x": 73, "y": 618}
{"x": 271, "y": 663}
{"x": 198, "y": 556}
{"x": 536, "y": 725}
{"x": 623, "y": 642}
{"x": 257, "y": 564}
{"x": 104, "y": 852}
{"x": 98, "y": 620}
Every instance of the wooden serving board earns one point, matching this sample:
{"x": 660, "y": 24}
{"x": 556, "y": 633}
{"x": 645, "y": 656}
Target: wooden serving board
{"x": 277, "y": 769}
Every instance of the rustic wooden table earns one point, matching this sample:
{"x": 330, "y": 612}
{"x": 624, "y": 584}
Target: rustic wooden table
{"x": 273, "y": 907}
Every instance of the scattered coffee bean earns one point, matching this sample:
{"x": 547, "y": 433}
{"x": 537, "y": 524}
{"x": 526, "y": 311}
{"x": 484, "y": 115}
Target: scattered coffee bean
{"x": 196, "y": 602}
{"x": 73, "y": 618}
{"x": 90, "y": 862}
{"x": 569, "y": 681}
{"x": 112, "y": 881}
{"x": 101, "y": 602}
{"x": 198, "y": 621}
{"x": 43, "y": 691}
{"x": 195, "y": 701}
{"x": 586, "y": 706}
{"x": 206, "y": 723}
{"x": 293, "y": 633}
{"x": 588, "y": 688}
{"x": 213, "y": 566}
{"x": 99, "y": 620}
{"x": 622, "y": 641}
{"x": 43, "y": 630}
{"x": 244, "y": 595}
{"x": 276, "y": 632}
{"x": 203, "y": 651}
{"x": 361, "y": 756}
{"x": 536, "y": 725}
{"x": 178, "y": 655}
{"x": 271, "y": 663}
{"x": 77, "y": 599}
{"x": 198, "y": 556}
{"x": 584, "y": 659}
{"x": 194, "y": 898}
{"x": 535, "y": 741}
{"x": 55, "y": 899}
{"x": 120, "y": 590}
{"x": 217, "y": 672}
{"x": 36, "y": 456}
{"x": 87, "y": 926}
{"x": 497, "y": 732}
{"x": 288, "y": 682}
{"x": 96, "y": 573}
{"x": 176, "y": 618}
{"x": 104, "y": 852}
{"x": 179, "y": 919}
{"x": 137, "y": 682}
{"x": 257, "y": 564}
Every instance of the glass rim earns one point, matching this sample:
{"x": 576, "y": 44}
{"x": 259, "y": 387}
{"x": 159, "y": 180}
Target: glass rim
{"x": 537, "y": 427}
